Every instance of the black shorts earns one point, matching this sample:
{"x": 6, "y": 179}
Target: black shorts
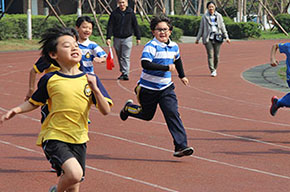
{"x": 57, "y": 152}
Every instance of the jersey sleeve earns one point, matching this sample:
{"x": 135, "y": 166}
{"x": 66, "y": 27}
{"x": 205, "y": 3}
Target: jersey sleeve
{"x": 99, "y": 52}
{"x": 41, "y": 65}
{"x": 103, "y": 91}
{"x": 40, "y": 96}
{"x": 148, "y": 53}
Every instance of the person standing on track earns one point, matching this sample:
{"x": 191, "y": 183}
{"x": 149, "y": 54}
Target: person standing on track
{"x": 159, "y": 59}
{"x": 122, "y": 23}
{"x": 284, "y": 101}
{"x": 212, "y": 26}
{"x": 70, "y": 93}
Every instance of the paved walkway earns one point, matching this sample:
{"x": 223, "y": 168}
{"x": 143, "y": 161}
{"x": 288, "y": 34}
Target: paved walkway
{"x": 267, "y": 76}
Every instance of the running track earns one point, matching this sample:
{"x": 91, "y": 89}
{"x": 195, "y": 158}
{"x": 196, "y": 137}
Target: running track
{"x": 239, "y": 146}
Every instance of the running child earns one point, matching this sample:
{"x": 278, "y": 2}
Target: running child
{"x": 70, "y": 93}
{"x": 160, "y": 57}
{"x": 284, "y": 101}
{"x": 92, "y": 53}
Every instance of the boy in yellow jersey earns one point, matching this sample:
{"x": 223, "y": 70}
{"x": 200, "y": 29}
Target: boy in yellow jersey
{"x": 69, "y": 93}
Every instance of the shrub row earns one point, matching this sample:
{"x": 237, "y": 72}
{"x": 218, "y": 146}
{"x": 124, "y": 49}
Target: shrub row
{"x": 284, "y": 20}
{"x": 15, "y": 26}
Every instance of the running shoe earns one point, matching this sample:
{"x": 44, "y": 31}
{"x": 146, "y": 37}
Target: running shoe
{"x": 274, "y": 107}
{"x": 183, "y": 152}
{"x": 124, "y": 112}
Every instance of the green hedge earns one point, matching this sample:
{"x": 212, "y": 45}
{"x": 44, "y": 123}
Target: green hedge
{"x": 243, "y": 30}
{"x": 284, "y": 21}
{"x": 15, "y": 26}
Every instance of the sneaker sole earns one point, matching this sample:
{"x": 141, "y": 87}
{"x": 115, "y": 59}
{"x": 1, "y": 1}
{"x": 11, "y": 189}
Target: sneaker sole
{"x": 186, "y": 152}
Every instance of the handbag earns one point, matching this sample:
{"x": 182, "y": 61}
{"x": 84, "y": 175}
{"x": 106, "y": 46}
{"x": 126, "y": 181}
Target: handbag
{"x": 219, "y": 37}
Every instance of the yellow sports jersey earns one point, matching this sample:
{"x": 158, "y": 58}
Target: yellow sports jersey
{"x": 69, "y": 98}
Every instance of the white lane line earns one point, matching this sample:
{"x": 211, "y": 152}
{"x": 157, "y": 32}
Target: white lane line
{"x": 234, "y": 117}
{"x": 196, "y": 157}
{"x": 131, "y": 179}
{"x": 95, "y": 169}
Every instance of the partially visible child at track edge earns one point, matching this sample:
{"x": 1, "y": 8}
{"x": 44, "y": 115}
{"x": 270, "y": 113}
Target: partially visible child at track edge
{"x": 160, "y": 57}
{"x": 92, "y": 53}
{"x": 284, "y": 101}
{"x": 70, "y": 93}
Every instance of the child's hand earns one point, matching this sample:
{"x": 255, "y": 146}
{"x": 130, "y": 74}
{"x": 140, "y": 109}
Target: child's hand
{"x": 274, "y": 62}
{"x": 171, "y": 67}
{"x": 8, "y": 115}
{"x": 98, "y": 60}
{"x": 185, "y": 81}
{"x": 92, "y": 82}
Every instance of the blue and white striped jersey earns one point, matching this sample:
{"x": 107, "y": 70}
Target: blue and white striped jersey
{"x": 159, "y": 53}
{"x": 90, "y": 50}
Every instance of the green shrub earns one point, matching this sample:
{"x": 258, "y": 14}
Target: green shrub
{"x": 15, "y": 26}
{"x": 284, "y": 21}
{"x": 243, "y": 30}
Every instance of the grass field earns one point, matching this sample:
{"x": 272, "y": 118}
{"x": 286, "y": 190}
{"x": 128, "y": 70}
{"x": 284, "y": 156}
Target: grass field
{"x": 24, "y": 44}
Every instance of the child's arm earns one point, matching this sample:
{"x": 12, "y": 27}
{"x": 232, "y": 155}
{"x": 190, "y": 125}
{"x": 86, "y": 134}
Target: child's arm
{"x": 180, "y": 71}
{"x": 98, "y": 60}
{"x": 103, "y": 104}
{"x": 23, "y": 108}
{"x": 273, "y": 60}
{"x": 31, "y": 88}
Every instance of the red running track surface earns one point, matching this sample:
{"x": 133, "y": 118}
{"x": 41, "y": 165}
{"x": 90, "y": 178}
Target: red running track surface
{"x": 239, "y": 146}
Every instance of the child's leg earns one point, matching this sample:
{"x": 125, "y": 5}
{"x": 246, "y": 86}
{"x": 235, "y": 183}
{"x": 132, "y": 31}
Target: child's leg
{"x": 70, "y": 180}
{"x": 169, "y": 107}
{"x": 284, "y": 101}
{"x": 148, "y": 100}
{"x": 68, "y": 159}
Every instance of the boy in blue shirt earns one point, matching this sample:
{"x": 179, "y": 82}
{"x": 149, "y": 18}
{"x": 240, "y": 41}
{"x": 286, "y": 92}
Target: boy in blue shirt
{"x": 284, "y": 101}
{"x": 160, "y": 57}
{"x": 70, "y": 93}
{"x": 91, "y": 51}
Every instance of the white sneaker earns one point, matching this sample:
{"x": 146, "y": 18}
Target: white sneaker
{"x": 213, "y": 74}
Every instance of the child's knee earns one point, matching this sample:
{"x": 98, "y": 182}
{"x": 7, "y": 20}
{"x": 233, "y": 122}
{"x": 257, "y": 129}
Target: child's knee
{"x": 75, "y": 176}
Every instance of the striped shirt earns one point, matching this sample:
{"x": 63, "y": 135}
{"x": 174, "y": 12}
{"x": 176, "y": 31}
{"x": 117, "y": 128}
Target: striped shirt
{"x": 90, "y": 50}
{"x": 159, "y": 53}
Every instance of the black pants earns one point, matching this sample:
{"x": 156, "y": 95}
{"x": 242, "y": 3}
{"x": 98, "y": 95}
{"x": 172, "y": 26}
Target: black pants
{"x": 149, "y": 99}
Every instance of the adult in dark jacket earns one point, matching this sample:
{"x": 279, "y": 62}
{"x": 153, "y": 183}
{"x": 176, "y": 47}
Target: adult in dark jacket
{"x": 122, "y": 24}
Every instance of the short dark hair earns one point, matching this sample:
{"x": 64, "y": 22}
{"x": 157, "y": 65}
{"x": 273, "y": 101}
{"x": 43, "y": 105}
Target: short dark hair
{"x": 160, "y": 18}
{"x": 49, "y": 41}
{"x": 210, "y": 2}
{"x": 81, "y": 19}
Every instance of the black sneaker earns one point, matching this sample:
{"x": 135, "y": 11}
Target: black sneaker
{"x": 183, "y": 152}
{"x": 124, "y": 112}
{"x": 274, "y": 106}
{"x": 123, "y": 77}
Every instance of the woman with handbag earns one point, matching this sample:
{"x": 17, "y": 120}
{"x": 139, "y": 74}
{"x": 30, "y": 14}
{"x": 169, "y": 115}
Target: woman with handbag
{"x": 213, "y": 32}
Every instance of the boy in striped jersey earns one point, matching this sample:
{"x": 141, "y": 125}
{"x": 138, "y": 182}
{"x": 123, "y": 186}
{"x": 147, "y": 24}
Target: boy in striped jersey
{"x": 160, "y": 57}
{"x": 92, "y": 53}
